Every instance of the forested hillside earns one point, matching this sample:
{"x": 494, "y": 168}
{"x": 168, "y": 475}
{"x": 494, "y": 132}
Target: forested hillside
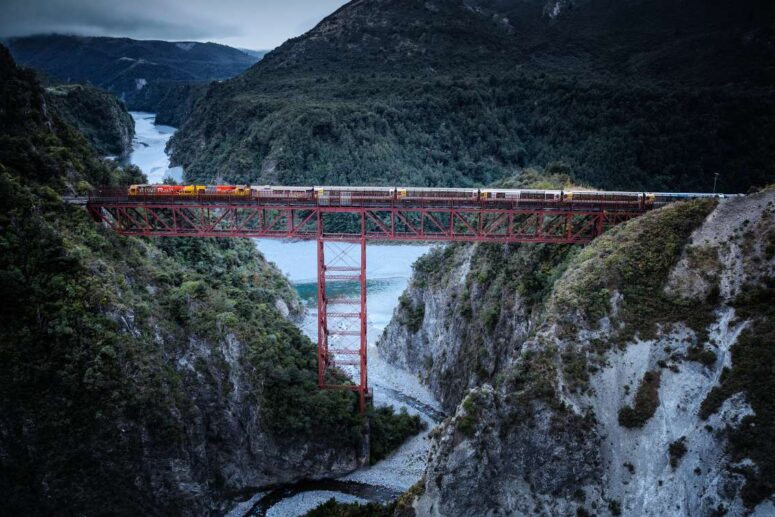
{"x": 127, "y": 67}
{"x": 98, "y": 115}
{"x": 142, "y": 377}
{"x": 652, "y": 94}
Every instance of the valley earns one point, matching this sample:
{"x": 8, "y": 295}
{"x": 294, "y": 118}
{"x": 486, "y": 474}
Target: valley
{"x": 610, "y": 361}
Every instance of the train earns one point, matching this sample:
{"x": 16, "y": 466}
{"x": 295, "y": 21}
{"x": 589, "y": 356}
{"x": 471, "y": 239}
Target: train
{"x": 338, "y": 196}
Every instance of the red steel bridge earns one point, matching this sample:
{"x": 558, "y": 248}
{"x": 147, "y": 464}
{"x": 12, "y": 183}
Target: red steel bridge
{"x": 341, "y": 228}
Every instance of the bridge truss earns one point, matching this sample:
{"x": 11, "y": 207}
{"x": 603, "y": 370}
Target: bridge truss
{"x": 341, "y": 233}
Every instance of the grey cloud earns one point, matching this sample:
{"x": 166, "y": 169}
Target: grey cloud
{"x": 162, "y": 19}
{"x": 257, "y": 24}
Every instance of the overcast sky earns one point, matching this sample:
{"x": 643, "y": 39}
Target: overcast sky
{"x": 256, "y": 24}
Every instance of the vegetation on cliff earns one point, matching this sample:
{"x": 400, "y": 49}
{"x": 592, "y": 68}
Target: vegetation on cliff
{"x": 388, "y": 430}
{"x": 633, "y": 261}
{"x": 172, "y": 101}
{"x": 97, "y": 115}
{"x": 753, "y": 365}
{"x": 148, "y": 364}
{"x": 645, "y": 403}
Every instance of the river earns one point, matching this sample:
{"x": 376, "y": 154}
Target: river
{"x": 388, "y": 268}
{"x": 148, "y": 149}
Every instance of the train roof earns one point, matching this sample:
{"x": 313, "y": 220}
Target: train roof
{"x": 606, "y": 192}
{"x": 330, "y": 187}
{"x": 440, "y": 189}
{"x": 557, "y": 191}
{"x": 281, "y": 187}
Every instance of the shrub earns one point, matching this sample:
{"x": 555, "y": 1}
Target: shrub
{"x": 389, "y": 429}
{"x": 701, "y": 355}
{"x": 677, "y": 450}
{"x": 645, "y": 404}
{"x": 411, "y": 315}
{"x": 466, "y": 423}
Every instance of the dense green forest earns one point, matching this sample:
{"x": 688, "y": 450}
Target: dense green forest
{"x": 119, "y": 353}
{"x": 458, "y": 130}
{"x": 140, "y": 72}
{"x": 96, "y": 114}
{"x": 637, "y": 95}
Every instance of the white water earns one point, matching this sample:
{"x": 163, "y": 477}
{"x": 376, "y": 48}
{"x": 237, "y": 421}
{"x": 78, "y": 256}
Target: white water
{"x": 388, "y": 269}
{"x": 148, "y": 148}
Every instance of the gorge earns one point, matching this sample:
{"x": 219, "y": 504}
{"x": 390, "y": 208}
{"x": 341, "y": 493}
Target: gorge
{"x": 388, "y": 274}
{"x": 632, "y": 375}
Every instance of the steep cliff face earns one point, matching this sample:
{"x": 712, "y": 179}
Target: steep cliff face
{"x": 467, "y": 311}
{"x": 98, "y": 115}
{"x": 158, "y": 378}
{"x": 636, "y": 385}
{"x": 171, "y": 101}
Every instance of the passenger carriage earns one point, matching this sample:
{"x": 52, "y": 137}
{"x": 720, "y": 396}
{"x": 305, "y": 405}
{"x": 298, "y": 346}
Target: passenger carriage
{"x": 354, "y": 195}
{"x": 436, "y": 194}
{"x": 611, "y": 200}
{"x": 663, "y": 198}
{"x": 521, "y": 197}
{"x": 267, "y": 192}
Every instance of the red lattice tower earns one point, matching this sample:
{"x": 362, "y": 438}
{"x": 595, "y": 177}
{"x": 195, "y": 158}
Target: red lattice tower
{"x": 342, "y": 320}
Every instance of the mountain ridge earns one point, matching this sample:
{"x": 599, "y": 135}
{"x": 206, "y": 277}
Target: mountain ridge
{"x": 138, "y": 375}
{"x": 595, "y": 36}
{"x": 127, "y": 66}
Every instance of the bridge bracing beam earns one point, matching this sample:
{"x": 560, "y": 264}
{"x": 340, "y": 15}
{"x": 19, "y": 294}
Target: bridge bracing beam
{"x": 341, "y": 233}
{"x": 348, "y": 223}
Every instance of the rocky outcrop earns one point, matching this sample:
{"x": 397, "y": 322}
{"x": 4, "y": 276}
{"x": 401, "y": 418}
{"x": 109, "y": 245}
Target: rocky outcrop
{"x": 466, "y": 313}
{"x": 528, "y": 456}
{"x": 636, "y": 388}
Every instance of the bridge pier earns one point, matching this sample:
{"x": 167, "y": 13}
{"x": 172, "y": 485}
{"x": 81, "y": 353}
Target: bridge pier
{"x": 342, "y": 331}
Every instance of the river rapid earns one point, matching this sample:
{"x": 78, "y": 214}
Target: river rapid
{"x": 388, "y": 268}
